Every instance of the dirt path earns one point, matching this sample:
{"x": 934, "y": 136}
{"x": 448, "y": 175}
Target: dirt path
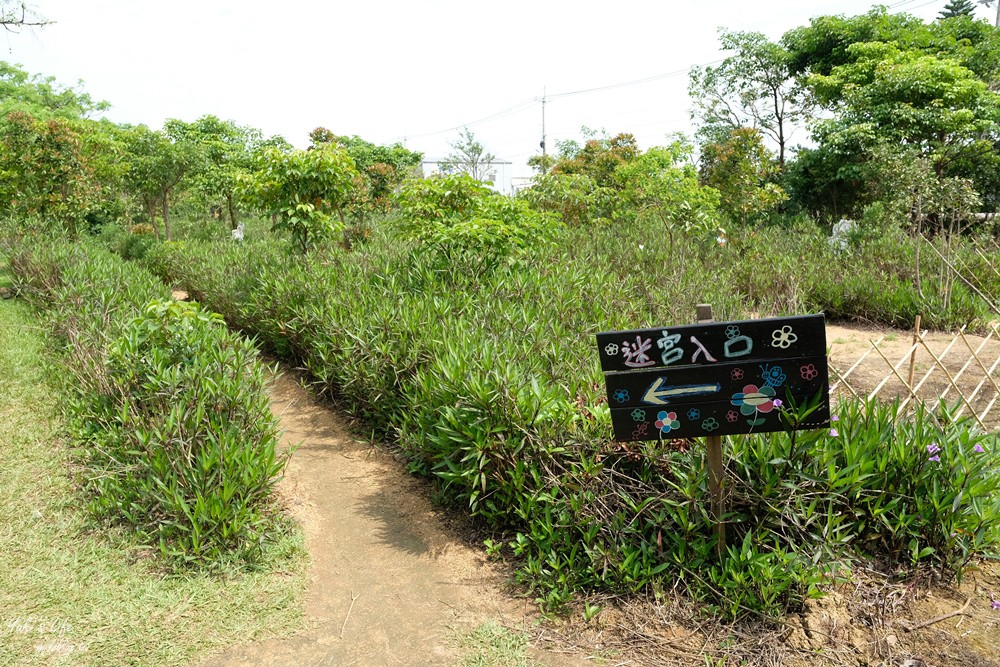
{"x": 372, "y": 532}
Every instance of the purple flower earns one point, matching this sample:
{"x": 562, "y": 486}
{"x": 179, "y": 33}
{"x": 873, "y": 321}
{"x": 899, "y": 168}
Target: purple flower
{"x": 934, "y": 458}
{"x": 777, "y": 402}
{"x": 995, "y": 604}
{"x": 933, "y": 448}
{"x": 835, "y": 418}
{"x": 834, "y": 433}
{"x": 978, "y": 449}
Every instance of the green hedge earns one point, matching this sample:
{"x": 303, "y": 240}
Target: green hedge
{"x": 488, "y": 381}
{"x": 171, "y": 409}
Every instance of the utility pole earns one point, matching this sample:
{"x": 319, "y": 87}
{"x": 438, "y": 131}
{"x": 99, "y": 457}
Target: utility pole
{"x": 544, "y": 151}
{"x": 987, "y": 3}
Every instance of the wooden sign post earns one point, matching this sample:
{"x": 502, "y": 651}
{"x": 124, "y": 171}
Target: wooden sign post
{"x": 713, "y": 379}
{"x": 716, "y": 465}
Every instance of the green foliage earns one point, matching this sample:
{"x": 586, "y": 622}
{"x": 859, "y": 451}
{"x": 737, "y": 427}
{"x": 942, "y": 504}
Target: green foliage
{"x": 44, "y": 173}
{"x": 753, "y": 88}
{"x": 457, "y": 216}
{"x": 742, "y": 170}
{"x": 479, "y": 378}
{"x": 891, "y": 80}
{"x": 664, "y": 183}
{"x": 177, "y": 439}
{"x": 575, "y": 198}
{"x": 440, "y": 198}
{"x": 226, "y": 150}
{"x": 42, "y": 97}
{"x": 303, "y": 190}
{"x": 921, "y": 100}
{"x": 382, "y": 168}
{"x": 956, "y": 8}
{"x": 599, "y": 158}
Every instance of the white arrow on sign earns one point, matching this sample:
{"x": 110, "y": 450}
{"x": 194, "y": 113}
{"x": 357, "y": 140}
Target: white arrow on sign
{"x": 657, "y": 394}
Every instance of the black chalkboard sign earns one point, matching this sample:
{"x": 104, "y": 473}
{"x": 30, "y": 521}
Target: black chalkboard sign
{"x": 719, "y": 378}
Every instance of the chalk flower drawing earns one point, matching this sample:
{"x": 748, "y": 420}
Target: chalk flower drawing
{"x": 783, "y": 337}
{"x": 667, "y": 421}
{"x": 611, "y": 349}
{"x": 638, "y": 415}
{"x": 808, "y": 372}
{"x": 753, "y": 399}
{"x": 621, "y": 395}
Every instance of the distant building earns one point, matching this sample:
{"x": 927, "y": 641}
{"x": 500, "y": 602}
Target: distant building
{"x": 519, "y": 183}
{"x": 502, "y": 181}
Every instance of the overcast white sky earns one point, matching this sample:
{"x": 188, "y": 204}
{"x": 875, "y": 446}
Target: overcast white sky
{"x": 390, "y": 70}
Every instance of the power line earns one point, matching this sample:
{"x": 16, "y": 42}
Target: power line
{"x": 635, "y": 82}
{"x": 524, "y": 104}
{"x": 520, "y": 106}
{"x": 499, "y": 114}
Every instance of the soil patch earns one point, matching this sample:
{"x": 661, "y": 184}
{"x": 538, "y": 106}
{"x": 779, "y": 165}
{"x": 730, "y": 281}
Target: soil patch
{"x": 848, "y": 344}
{"x": 389, "y": 582}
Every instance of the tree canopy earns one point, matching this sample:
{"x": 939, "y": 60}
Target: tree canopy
{"x": 42, "y": 97}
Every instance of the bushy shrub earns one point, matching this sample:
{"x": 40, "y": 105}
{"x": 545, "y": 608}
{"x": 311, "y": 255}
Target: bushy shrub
{"x": 171, "y": 410}
{"x": 459, "y": 217}
{"x": 575, "y": 198}
{"x": 481, "y": 380}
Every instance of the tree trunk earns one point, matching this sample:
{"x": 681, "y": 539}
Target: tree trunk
{"x": 232, "y": 210}
{"x": 166, "y": 215}
{"x": 151, "y": 212}
{"x": 780, "y": 117}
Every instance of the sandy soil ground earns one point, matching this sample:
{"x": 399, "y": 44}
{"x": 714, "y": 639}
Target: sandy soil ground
{"x": 848, "y": 344}
{"x": 391, "y": 582}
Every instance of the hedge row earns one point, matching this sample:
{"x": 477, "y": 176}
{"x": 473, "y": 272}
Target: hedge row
{"x": 170, "y": 408}
{"x": 486, "y": 379}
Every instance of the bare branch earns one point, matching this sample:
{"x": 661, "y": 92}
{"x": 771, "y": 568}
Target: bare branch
{"x": 17, "y": 15}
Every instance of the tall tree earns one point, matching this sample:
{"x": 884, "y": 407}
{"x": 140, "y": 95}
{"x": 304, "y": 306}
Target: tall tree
{"x": 300, "y": 189}
{"x": 891, "y": 82}
{"x": 228, "y": 151}
{"x": 470, "y": 157}
{"x": 44, "y": 172}
{"x": 923, "y": 101}
{"x": 42, "y": 97}
{"x": 752, "y": 88}
{"x": 956, "y": 8}
{"x": 742, "y": 170}
{"x": 157, "y": 166}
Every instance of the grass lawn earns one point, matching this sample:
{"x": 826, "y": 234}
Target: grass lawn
{"x": 72, "y": 595}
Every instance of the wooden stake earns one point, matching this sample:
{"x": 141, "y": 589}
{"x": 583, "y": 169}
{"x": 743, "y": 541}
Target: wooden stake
{"x": 913, "y": 355}
{"x": 716, "y": 466}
